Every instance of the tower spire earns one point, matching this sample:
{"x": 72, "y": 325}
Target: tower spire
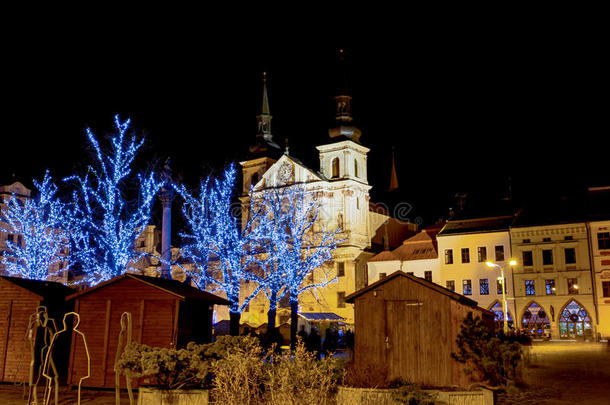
{"x": 264, "y": 119}
{"x": 393, "y": 176}
{"x": 343, "y": 105}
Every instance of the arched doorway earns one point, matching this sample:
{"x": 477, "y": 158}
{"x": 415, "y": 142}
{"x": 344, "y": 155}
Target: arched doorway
{"x": 535, "y": 321}
{"x": 496, "y": 308}
{"x": 575, "y": 322}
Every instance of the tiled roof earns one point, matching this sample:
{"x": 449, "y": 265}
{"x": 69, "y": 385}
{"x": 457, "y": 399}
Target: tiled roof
{"x": 385, "y": 256}
{"x": 477, "y": 225}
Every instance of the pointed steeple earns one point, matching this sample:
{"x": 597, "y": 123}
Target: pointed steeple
{"x": 343, "y": 106}
{"x": 393, "y": 176}
{"x": 264, "y": 119}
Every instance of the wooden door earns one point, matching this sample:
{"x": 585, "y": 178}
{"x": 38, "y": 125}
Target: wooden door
{"x": 403, "y": 339}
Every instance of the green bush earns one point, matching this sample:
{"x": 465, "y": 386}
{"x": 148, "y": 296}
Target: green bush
{"x": 495, "y": 359}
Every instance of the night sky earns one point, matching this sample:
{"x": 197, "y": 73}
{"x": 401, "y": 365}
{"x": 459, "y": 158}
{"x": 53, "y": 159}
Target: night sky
{"x": 464, "y": 111}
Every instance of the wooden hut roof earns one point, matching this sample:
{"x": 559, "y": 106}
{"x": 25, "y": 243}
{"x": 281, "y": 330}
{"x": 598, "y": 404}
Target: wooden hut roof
{"x": 44, "y": 289}
{"x": 181, "y": 290}
{"x": 451, "y": 294}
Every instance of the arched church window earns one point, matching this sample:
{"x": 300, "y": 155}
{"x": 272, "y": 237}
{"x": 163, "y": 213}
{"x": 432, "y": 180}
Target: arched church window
{"x": 575, "y": 322}
{"x": 499, "y": 315}
{"x": 254, "y": 179}
{"x": 355, "y": 168}
{"x": 335, "y": 167}
{"x": 535, "y": 321}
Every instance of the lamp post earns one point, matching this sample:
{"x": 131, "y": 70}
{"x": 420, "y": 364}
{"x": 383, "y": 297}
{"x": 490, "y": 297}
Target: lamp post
{"x": 504, "y": 305}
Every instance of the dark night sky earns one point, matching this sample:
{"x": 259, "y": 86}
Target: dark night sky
{"x": 464, "y": 109}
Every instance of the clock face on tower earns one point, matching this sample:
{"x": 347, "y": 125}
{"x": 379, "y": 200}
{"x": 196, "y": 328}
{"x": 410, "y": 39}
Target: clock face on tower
{"x": 285, "y": 172}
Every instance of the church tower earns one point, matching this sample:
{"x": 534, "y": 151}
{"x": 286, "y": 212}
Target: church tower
{"x": 264, "y": 152}
{"x": 343, "y": 163}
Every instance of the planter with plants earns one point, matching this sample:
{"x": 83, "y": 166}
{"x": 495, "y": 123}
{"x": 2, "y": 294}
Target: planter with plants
{"x": 168, "y": 376}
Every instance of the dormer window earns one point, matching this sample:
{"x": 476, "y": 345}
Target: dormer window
{"x": 335, "y": 167}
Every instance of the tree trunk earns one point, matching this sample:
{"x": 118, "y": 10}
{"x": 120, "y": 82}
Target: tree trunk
{"x": 272, "y": 312}
{"x": 234, "y": 323}
{"x": 294, "y": 320}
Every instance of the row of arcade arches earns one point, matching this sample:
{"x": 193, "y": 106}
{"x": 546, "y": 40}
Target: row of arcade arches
{"x": 574, "y": 320}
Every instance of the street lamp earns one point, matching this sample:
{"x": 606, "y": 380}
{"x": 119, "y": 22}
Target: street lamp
{"x": 512, "y": 263}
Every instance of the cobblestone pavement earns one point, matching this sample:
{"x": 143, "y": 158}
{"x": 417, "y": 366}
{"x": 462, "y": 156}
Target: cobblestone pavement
{"x": 571, "y": 373}
{"x": 13, "y": 395}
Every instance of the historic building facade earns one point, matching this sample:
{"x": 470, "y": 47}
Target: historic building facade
{"x": 465, "y": 246}
{"x": 553, "y": 283}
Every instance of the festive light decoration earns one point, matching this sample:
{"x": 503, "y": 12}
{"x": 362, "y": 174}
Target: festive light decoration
{"x": 38, "y": 224}
{"x": 220, "y": 250}
{"x": 291, "y": 248}
{"x": 105, "y": 225}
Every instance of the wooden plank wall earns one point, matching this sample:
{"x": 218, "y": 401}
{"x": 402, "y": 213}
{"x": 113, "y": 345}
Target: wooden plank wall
{"x": 16, "y": 306}
{"x": 153, "y": 313}
{"x": 421, "y": 325}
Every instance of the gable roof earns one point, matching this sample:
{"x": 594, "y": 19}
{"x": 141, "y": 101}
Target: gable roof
{"x": 44, "y": 289}
{"x": 385, "y": 256}
{"x": 180, "y": 290}
{"x": 312, "y": 174}
{"x": 451, "y": 294}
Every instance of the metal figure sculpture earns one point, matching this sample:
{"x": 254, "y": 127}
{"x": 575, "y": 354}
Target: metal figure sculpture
{"x": 49, "y": 355}
{"x": 125, "y": 327}
{"x": 38, "y": 319}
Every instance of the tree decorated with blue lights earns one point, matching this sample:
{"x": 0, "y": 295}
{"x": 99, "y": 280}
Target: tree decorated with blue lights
{"x": 295, "y": 245}
{"x": 40, "y": 222}
{"x": 221, "y": 251}
{"x": 305, "y": 249}
{"x": 105, "y": 223}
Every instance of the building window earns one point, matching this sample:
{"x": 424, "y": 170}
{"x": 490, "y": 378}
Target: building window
{"x": 530, "y": 287}
{"x": 550, "y": 287}
{"x": 482, "y": 254}
{"x": 572, "y": 286}
{"x": 428, "y": 275}
{"x": 450, "y": 284}
{"x": 465, "y": 255}
{"x": 546, "y": 239}
{"x": 499, "y": 285}
{"x": 527, "y": 240}
{"x": 528, "y": 258}
{"x": 383, "y": 275}
{"x": 335, "y": 167}
{"x": 341, "y": 299}
{"x": 448, "y": 256}
{"x": 254, "y": 179}
{"x": 603, "y": 240}
{"x": 340, "y": 269}
{"x": 606, "y": 289}
{"x": 484, "y": 286}
{"x": 499, "y": 253}
{"x": 570, "y": 255}
{"x": 569, "y": 238}
{"x": 410, "y": 273}
{"x": 247, "y": 308}
{"x": 547, "y": 257}
{"x": 355, "y": 168}
{"x": 467, "y": 287}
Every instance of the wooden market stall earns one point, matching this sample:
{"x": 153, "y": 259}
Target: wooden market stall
{"x": 19, "y": 299}
{"x": 165, "y": 313}
{"x": 409, "y": 326}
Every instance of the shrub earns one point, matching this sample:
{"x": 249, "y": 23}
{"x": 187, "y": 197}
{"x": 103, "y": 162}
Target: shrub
{"x": 412, "y": 394}
{"x": 299, "y": 378}
{"x": 496, "y": 359}
{"x": 239, "y": 371}
{"x": 165, "y": 368}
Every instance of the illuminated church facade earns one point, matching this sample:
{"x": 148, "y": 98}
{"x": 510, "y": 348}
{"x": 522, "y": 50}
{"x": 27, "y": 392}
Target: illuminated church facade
{"x": 341, "y": 189}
